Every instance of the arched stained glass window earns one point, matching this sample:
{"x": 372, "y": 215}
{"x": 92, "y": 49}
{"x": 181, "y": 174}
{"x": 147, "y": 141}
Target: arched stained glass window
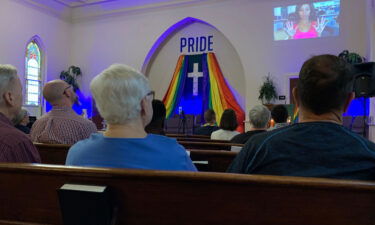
{"x": 33, "y": 74}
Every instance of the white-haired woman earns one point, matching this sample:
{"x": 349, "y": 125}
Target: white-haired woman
{"x": 21, "y": 121}
{"x": 123, "y": 98}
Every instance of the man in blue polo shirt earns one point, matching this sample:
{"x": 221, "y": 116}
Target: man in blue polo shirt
{"x": 317, "y": 146}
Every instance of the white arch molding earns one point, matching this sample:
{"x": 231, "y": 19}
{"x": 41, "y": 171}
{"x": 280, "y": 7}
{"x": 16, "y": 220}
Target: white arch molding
{"x": 161, "y": 60}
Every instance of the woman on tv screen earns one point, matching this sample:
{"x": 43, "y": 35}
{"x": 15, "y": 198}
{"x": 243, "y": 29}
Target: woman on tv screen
{"x": 304, "y": 23}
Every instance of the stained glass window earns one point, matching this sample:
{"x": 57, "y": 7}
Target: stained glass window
{"x": 33, "y": 74}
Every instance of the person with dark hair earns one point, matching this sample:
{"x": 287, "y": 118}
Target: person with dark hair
{"x": 279, "y": 114}
{"x": 228, "y": 126}
{"x": 156, "y": 126}
{"x": 307, "y": 24}
{"x": 259, "y": 117}
{"x": 318, "y": 145}
{"x": 210, "y": 125}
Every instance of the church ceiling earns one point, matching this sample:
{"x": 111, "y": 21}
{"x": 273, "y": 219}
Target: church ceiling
{"x": 79, "y": 3}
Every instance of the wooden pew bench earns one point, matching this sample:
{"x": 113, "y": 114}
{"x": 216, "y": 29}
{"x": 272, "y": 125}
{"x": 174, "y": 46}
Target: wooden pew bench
{"x": 201, "y": 140}
{"x": 212, "y": 160}
{"x": 208, "y": 145}
{"x": 29, "y": 196}
{"x": 52, "y": 153}
{"x": 188, "y": 136}
{"x": 207, "y": 160}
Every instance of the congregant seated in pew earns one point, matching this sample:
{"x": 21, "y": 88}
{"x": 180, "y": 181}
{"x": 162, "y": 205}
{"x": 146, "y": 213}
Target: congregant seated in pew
{"x": 15, "y": 146}
{"x": 210, "y": 125}
{"x": 259, "y": 117}
{"x": 228, "y": 126}
{"x": 21, "y": 121}
{"x": 279, "y": 114}
{"x": 319, "y": 145}
{"x": 61, "y": 125}
{"x": 123, "y": 98}
{"x": 156, "y": 126}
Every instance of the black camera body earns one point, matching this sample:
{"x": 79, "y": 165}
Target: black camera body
{"x": 364, "y": 79}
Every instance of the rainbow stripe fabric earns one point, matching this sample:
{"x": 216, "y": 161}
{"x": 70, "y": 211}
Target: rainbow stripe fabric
{"x": 216, "y": 92}
{"x": 295, "y": 115}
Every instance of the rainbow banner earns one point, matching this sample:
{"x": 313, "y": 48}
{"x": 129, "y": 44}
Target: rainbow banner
{"x": 214, "y": 91}
{"x": 295, "y": 114}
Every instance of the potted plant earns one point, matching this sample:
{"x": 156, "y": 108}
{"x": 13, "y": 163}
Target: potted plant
{"x": 267, "y": 91}
{"x": 70, "y": 76}
{"x": 351, "y": 57}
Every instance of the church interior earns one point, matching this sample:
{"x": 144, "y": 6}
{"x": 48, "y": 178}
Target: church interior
{"x": 196, "y": 55}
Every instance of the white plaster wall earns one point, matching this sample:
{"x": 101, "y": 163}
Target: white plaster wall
{"x": 248, "y": 25}
{"x": 19, "y": 23}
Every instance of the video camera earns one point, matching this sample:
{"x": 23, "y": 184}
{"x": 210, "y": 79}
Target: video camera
{"x": 364, "y": 79}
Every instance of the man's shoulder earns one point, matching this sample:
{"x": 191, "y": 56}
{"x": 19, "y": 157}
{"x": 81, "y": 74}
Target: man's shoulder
{"x": 77, "y": 120}
{"x": 12, "y": 136}
{"x": 42, "y": 119}
{"x": 257, "y": 138}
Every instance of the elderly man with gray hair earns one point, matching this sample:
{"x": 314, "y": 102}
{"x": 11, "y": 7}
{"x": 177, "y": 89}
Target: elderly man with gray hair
{"x": 123, "y": 97}
{"x": 15, "y": 146}
{"x": 259, "y": 117}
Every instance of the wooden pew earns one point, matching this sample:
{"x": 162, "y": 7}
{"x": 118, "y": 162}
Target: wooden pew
{"x": 188, "y": 136}
{"x": 212, "y": 160}
{"x": 208, "y": 145}
{"x": 216, "y": 161}
{"x": 201, "y": 140}
{"x": 52, "y": 153}
{"x": 28, "y": 196}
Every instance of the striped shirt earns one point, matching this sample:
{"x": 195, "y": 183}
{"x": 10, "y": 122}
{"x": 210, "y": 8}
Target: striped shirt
{"x": 15, "y": 146}
{"x": 61, "y": 126}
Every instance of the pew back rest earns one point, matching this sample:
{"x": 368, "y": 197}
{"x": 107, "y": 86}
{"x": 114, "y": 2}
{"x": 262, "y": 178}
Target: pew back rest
{"x": 28, "y": 195}
{"x": 52, "y": 153}
{"x": 188, "y": 136}
{"x": 217, "y": 161}
{"x": 208, "y": 145}
{"x": 201, "y": 140}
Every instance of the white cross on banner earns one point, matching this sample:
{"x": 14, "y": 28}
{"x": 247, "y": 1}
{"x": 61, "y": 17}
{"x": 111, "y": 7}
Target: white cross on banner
{"x": 195, "y": 75}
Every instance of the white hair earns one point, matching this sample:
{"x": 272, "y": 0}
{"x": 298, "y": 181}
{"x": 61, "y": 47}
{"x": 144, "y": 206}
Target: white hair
{"x": 259, "y": 116}
{"x": 118, "y": 92}
{"x": 7, "y": 74}
{"x": 21, "y": 115}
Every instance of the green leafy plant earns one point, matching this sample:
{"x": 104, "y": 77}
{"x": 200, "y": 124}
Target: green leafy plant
{"x": 70, "y": 76}
{"x": 351, "y": 57}
{"x": 267, "y": 91}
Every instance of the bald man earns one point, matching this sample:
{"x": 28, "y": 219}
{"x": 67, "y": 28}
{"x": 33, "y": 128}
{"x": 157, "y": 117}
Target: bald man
{"x": 61, "y": 125}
